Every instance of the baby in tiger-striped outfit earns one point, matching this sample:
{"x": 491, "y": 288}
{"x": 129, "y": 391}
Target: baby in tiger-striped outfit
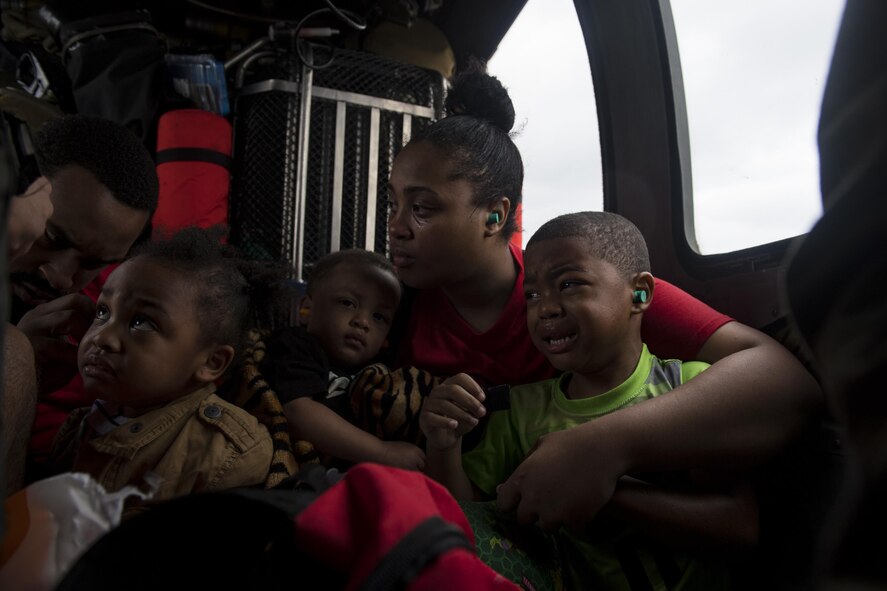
{"x": 319, "y": 368}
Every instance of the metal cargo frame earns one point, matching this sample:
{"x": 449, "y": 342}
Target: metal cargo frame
{"x": 313, "y": 150}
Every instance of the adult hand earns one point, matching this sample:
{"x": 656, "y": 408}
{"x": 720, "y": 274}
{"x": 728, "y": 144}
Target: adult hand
{"x": 54, "y": 329}
{"x": 27, "y": 216}
{"x": 401, "y": 454}
{"x": 565, "y": 480}
{"x": 451, "y": 410}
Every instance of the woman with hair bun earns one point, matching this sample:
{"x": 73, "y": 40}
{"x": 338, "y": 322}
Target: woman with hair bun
{"x": 453, "y": 193}
{"x": 454, "y": 189}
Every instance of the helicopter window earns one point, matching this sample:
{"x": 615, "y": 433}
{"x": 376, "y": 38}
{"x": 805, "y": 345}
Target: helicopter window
{"x": 754, "y": 74}
{"x": 550, "y": 84}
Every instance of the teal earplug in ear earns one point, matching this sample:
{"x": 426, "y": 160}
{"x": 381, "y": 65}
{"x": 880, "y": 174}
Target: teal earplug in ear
{"x": 493, "y": 218}
{"x": 639, "y": 296}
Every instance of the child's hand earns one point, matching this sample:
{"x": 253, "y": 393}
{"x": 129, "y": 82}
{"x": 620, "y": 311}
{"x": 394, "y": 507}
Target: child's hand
{"x": 579, "y": 467}
{"x": 401, "y": 454}
{"x": 451, "y": 410}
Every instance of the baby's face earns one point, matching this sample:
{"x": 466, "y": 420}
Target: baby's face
{"x": 351, "y": 310}
{"x": 144, "y": 346}
{"x": 578, "y": 306}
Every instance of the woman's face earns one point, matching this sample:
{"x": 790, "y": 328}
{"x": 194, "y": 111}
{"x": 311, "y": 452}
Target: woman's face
{"x": 435, "y": 231}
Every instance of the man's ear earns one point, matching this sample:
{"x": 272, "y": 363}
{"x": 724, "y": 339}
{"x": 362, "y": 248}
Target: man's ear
{"x": 303, "y": 310}
{"x": 642, "y": 292}
{"x": 217, "y": 361}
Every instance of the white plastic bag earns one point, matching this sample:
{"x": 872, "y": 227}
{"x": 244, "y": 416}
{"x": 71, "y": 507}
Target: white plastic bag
{"x": 51, "y": 523}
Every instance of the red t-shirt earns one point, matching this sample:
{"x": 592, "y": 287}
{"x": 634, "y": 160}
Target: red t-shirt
{"x": 437, "y": 339}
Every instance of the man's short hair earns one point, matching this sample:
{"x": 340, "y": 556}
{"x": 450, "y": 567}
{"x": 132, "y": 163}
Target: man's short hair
{"x": 610, "y": 237}
{"x": 354, "y": 256}
{"x": 112, "y": 153}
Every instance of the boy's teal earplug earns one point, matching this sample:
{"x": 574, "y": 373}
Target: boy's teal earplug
{"x": 493, "y": 218}
{"x": 639, "y": 296}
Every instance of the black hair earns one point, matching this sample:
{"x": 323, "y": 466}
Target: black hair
{"x": 234, "y": 295}
{"x": 610, "y": 237}
{"x": 112, "y": 153}
{"x": 355, "y": 256}
{"x": 475, "y": 132}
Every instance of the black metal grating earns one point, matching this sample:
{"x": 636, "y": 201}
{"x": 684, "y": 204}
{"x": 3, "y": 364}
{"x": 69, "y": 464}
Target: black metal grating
{"x": 318, "y": 203}
{"x": 266, "y": 141}
{"x": 365, "y": 73}
{"x": 354, "y": 186}
{"x": 263, "y": 181}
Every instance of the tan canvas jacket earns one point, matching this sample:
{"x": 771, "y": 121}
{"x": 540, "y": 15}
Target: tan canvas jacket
{"x": 196, "y": 443}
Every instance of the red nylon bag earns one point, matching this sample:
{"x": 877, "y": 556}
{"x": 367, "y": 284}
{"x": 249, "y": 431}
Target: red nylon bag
{"x": 193, "y": 165}
{"x": 362, "y": 524}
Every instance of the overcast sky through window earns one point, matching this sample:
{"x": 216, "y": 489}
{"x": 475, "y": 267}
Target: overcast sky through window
{"x": 753, "y": 74}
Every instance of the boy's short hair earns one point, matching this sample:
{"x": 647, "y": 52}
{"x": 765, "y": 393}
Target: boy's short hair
{"x": 355, "y": 256}
{"x": 611, "y": 238}
{"x": 112, "y": 153}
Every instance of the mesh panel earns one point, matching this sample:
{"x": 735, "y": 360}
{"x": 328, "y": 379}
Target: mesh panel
{"x": 266, "y": 151}
{"x": 365, "y": 73}
{"x": 264, "y": 176}
{"x": 390, "y": 139}
{"x": 318, "y": 204}
{"x": 355, "y": 188}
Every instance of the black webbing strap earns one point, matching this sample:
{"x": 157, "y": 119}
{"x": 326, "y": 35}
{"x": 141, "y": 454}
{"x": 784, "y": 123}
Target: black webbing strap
{"x": 194, "y": 155}
{"x": 415, "y": 551}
